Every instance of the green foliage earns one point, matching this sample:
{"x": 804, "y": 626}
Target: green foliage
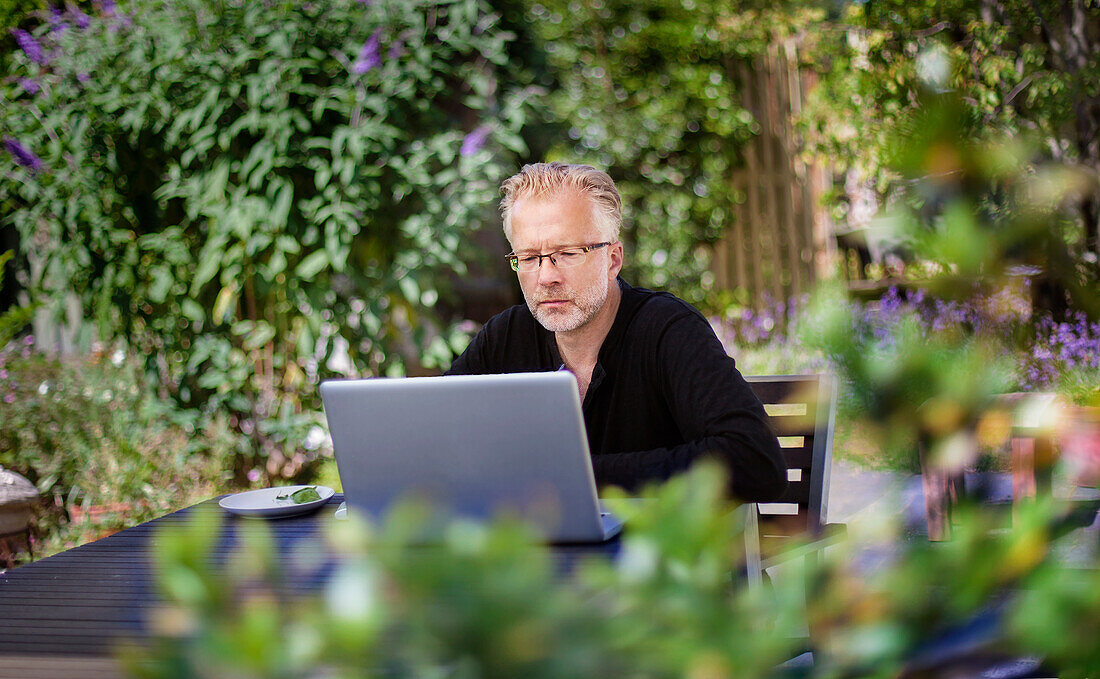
{"x": 650, "y": 90}
{"x": 103, "y": 452}
{"x": 486, "y": 600}
{"x": 14, "y": 13}
{"x": 1018, "y": 65}
{"x": 255, "y": 195}
{"x": 976, "y": 90}
{"x": 912, "y": 384}
{"x": 15, "y": 319}
{"x": 1080, "y": 385}
{"x": 945, "y": 606}
{"x": 1060, "y": 615}
{"x": 976, "y": 211}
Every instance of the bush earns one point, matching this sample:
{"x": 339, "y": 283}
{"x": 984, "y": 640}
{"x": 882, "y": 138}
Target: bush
{"x": 649, "y": 91}
{"x": 258, "y": 194}
{"x": 488, "y": 602}
{"x": 103, "y": 452}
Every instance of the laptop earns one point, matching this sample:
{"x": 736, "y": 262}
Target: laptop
{"x": 474, "y": 445}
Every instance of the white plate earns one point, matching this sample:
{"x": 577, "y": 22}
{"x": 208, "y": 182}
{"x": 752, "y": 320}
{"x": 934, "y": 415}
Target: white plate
{"x": 264, "y": 503}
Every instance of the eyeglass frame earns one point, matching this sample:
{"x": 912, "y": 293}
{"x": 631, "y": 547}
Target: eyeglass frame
{"x": 513, "y": 257}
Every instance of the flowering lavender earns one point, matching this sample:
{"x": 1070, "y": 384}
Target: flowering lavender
{"x": 29, "y": 86}
{"x": 22, "y": 155}
{"x": 1073, "y": 344}
{"x": 79, "y": 18}
{"x": 473, "y": 141}
{"x": 1051, "y": 349}
{"x": 57, "y": 20}
{"x": 749, "y": 327}
{"x": 30, "y": 46}
{"x": 370, "y": 56}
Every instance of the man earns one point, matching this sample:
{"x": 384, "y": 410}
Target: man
{"x": 657, "y": 388}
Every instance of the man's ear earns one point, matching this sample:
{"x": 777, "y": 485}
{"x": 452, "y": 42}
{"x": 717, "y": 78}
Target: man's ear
{"x": 615, "y": 254}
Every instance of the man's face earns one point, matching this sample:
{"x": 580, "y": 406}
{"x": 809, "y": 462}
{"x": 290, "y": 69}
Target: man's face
{"x": 563, "y": 299}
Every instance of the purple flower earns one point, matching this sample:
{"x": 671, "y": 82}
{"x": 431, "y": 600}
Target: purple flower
{"x": 370, "y": 56}
{"x": 22, "y": 155}
{"x": 890, "y": 302}
{"x": 57, "y": 20}
{"x": 9, "y": 397}
{"x": 29, "y": 86}
{"x": 30, "y": 46}
{"x": 83, "y": 77}
{"x": 81, "y": 19}
{"x": 473, "y": 141}
{"x": 106, "y": 7}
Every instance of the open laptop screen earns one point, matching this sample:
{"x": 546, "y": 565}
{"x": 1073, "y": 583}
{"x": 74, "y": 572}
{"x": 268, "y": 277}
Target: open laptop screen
{"x": 474, "y": 445}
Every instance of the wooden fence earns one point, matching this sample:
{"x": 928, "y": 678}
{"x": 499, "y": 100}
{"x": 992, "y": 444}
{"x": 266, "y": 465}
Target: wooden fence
{"x": 780, "y": 241}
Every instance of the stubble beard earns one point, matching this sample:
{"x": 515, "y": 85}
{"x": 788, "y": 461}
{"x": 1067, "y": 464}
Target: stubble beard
{"x": 586, "y": 303}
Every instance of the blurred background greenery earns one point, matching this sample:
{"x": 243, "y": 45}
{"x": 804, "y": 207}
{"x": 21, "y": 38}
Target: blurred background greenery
{"x": 212, "y": 205}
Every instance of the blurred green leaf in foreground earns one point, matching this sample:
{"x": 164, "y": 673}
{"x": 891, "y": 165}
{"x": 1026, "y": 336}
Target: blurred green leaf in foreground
{"x": 487, "y": 601}
{"x": 984, "y": 219}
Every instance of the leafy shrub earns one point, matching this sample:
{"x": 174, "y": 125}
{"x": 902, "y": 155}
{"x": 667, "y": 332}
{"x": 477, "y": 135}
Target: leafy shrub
{"x": 1045, "y": 353}
{"x": 650, "y": 91}
{"x": 258, "y": 194}
{"x": 1020, "y": 85}
{"x": 16, "y": 318}
{"x": 103, "y": 452}
{"x": 15, "y": 12}
{"x": 488, "y": 602}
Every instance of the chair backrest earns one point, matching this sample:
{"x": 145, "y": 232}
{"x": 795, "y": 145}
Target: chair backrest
{"x": 802, "y": 411}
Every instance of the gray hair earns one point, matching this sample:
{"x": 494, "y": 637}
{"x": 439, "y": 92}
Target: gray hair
{"x": 543, "y": 180}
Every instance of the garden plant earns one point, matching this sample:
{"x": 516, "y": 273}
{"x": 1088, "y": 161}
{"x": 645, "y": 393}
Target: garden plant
{"x": 289, "y": 183}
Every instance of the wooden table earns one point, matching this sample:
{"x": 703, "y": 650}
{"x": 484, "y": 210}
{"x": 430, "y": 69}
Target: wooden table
{"x": 1031, "y": 446}
{"x": 63, "y": 615}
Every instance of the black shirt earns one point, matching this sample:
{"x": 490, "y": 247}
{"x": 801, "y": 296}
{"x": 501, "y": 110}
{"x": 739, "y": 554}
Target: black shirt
{"x": 663, "y": 393}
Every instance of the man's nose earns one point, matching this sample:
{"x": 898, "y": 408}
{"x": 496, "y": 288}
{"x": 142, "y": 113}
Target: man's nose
{"x": 549, "y": 273}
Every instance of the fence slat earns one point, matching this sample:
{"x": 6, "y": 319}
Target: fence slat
{"x": 779, "y": 240}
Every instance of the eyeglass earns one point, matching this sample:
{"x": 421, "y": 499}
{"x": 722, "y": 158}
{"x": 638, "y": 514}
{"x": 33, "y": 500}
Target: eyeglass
{"x": 563, "y": 259}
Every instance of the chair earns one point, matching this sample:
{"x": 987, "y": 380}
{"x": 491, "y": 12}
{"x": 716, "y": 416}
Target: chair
{"x": 802, "y": 411}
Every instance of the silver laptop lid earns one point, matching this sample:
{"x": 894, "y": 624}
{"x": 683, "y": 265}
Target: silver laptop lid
{"x": 473, "y": 444}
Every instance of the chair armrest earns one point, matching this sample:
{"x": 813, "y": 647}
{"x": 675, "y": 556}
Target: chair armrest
{"x": 831, "y": 534}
